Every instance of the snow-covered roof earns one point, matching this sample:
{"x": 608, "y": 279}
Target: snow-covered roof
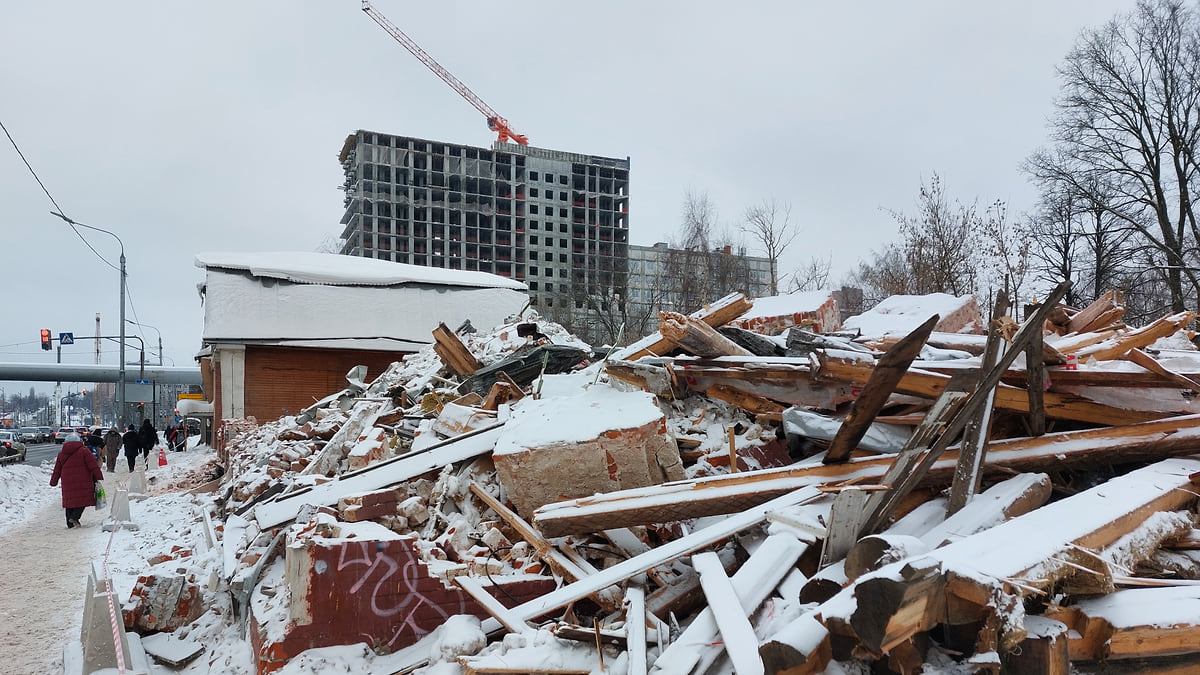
{"x": 332, "y": 269}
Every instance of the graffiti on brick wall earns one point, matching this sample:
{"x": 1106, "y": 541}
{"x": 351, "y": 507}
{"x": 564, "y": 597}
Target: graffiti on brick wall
{"x": 391, "y": 578}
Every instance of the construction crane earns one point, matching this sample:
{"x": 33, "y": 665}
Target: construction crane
{"x": 495, "y": 122}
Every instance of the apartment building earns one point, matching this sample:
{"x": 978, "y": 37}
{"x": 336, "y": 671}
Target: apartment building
{"x": 682, "y": 280}
{"x": 557, "y": 221}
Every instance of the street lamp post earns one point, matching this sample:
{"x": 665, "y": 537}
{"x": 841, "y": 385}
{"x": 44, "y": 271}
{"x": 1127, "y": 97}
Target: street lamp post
{"x": 146, "y": 325}
{"x": 121, "y": 362}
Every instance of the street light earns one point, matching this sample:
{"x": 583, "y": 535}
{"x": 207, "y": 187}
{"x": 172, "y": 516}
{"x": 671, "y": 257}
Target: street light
{"x": 146, "y": 325}
{"x": 121, "y": 362}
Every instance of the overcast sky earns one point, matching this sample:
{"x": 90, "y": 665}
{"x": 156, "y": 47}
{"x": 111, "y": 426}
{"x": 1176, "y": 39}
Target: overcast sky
{"x": 215, "y": 126}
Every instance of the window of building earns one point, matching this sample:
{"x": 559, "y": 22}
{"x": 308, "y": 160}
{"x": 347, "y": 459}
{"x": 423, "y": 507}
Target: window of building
{"x": 562, "y": 273}
{"x": 636, "y": 294}
{"x": 533, "y": 241}
{"x": 533, "y": 175}
{"x": 549, "y": 241}
{"x": 533, "y": 209}
{"x": 549, "y": 302}
{"x": 549, "y": 288}
{"x": 548, "y": 257}
{"x": 562, "y": 196}
{"x": 532, "y": 271}
{"x": 562, "y": 243}
{"x": 533, "y": 224}
{"x": 562, "y": 213}
{"x": 533, "y": 192}
{"x": 549, "y": 271}
{"x": 549, "y": 178}
{"x": 562, "y": 258}
{"x": 533, "y": 285}
{"x": 562, "y": 227}
{"x": 562, "y": 180}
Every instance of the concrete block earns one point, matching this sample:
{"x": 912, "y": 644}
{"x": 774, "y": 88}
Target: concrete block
{"x": 118, "y": 513}
{"x": 97, "y": 646}
{"x": 566, "y": 447}
{"x": 137, "y": 484}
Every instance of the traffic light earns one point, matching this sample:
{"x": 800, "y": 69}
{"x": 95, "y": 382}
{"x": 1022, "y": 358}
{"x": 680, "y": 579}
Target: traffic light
{"x": 46, "y": 339}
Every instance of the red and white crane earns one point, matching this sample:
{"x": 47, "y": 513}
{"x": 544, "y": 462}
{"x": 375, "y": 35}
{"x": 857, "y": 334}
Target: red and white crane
{"x": 495, "y": 122}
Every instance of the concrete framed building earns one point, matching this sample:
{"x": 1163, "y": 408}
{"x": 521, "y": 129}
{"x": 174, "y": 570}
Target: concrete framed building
{"x": 557, "y": 221}
{"x": 665, "y": 278}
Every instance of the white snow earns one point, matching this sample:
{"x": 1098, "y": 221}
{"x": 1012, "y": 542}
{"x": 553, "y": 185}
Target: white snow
{"x": 347, "y": 270}
{"x": 900, "y": 314}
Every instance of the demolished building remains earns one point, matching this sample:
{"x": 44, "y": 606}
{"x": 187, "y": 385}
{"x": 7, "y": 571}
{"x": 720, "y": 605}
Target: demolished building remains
{"x": 924, "y": 485}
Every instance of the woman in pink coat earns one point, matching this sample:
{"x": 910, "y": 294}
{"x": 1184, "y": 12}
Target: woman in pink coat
{"x": 78, "y": 470}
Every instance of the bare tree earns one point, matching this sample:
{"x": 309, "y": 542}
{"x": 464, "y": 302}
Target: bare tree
{"x": 1126, "y": 133}
{"x": 1006, "y": 250}
{"x": 813, "y": 276}
{"x": 770, "y": 224}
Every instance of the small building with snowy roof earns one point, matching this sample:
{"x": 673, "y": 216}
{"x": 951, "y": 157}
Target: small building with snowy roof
{"x": 899, "y": 315}
{"x": 281, "y": 330}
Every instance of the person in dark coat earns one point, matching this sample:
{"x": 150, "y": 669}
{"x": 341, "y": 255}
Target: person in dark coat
{"x": 78, "y": 471}
{"x": 95, "y": 442}
{"x": 132, "y": 445}
{"x": 148, "y": 437}
{"x": 112, "y": 448}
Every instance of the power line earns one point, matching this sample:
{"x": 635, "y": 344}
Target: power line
{"x": 51, "y": 197}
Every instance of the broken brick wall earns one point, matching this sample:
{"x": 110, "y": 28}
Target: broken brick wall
{"x": 374, "y": 590}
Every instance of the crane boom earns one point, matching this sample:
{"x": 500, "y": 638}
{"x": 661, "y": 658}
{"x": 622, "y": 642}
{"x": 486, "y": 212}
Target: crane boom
{"x": 494, "y": 120}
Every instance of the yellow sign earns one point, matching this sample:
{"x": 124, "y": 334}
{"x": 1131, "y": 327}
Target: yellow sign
{"x": 194, "y": 397}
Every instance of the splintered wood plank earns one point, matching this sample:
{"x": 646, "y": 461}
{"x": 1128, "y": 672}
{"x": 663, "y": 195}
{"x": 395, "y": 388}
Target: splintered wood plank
{"x": 661, "y": 554}
{"x": 888, "y": 371}
{"x": 845, "y": 522}
{"x": 1103, "y": 312}
{"x": 1136, "y": 339}
{"x": 972, "y": 449}
{"x": 753, "y": 582}
{"x": 717, "y": 314}
{"x": 696, "y": 337}
{"x": 453, "y": 352}
{"x": 928, "y": 384}
{"x": 800, "y": 648}
{"x": 635, "y": 628}
{"x": 1148, "y": 362}
{"x": 491, "y": 605}
{"x": 751, "y": 403}
{"x": 736, "y": 632}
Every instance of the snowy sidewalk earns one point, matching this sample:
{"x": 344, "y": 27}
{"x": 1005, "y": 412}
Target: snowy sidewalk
{"x": 42, "y": 582}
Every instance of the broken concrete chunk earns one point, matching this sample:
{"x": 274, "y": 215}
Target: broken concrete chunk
{"x": 598, "y": 441}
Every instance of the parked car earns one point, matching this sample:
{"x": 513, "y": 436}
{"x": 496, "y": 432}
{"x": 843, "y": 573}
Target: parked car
{"x": 30, "y": 435}
{"x": 11, "y": 449}
{"x": 60, "y": 436}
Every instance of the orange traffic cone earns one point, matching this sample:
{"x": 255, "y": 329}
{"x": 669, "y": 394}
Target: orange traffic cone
{"x": 162, "y": 456}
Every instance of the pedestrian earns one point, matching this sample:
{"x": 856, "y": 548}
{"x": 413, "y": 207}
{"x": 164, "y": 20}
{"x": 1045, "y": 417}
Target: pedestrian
{"x": 174, "y": 438}
{"x": 132, "y": 444}
{"x": 95, "y": 443}
{"x": 79, "y": 472}
{"x": 112, "y": 448}
{"x": 148, "y": 437}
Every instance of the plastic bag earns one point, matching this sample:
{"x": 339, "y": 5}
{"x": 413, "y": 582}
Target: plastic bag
{"x": 101, "y": 501}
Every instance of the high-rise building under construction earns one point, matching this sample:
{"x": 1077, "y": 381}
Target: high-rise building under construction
{"x": 559, "y": 221}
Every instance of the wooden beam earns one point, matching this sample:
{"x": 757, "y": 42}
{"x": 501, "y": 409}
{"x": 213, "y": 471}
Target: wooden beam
{"x": 736, "y": 632}
{"x": 491, "y": 605}
{"x": 1148, "y": 362}
{"x": 1136, "y": 339}
{"x": 1148, "y": 441}
{"x": 928, "y": 384}
{"x": 751, "y": 403}
{"x": 888, "y": 371}
{"x": 696, "y": 337}
{"x": 453, "y": 352}
{"x": 1103, "y": 312}
{"x": 975, "y": 435}
{"x": 718, "y": 313}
